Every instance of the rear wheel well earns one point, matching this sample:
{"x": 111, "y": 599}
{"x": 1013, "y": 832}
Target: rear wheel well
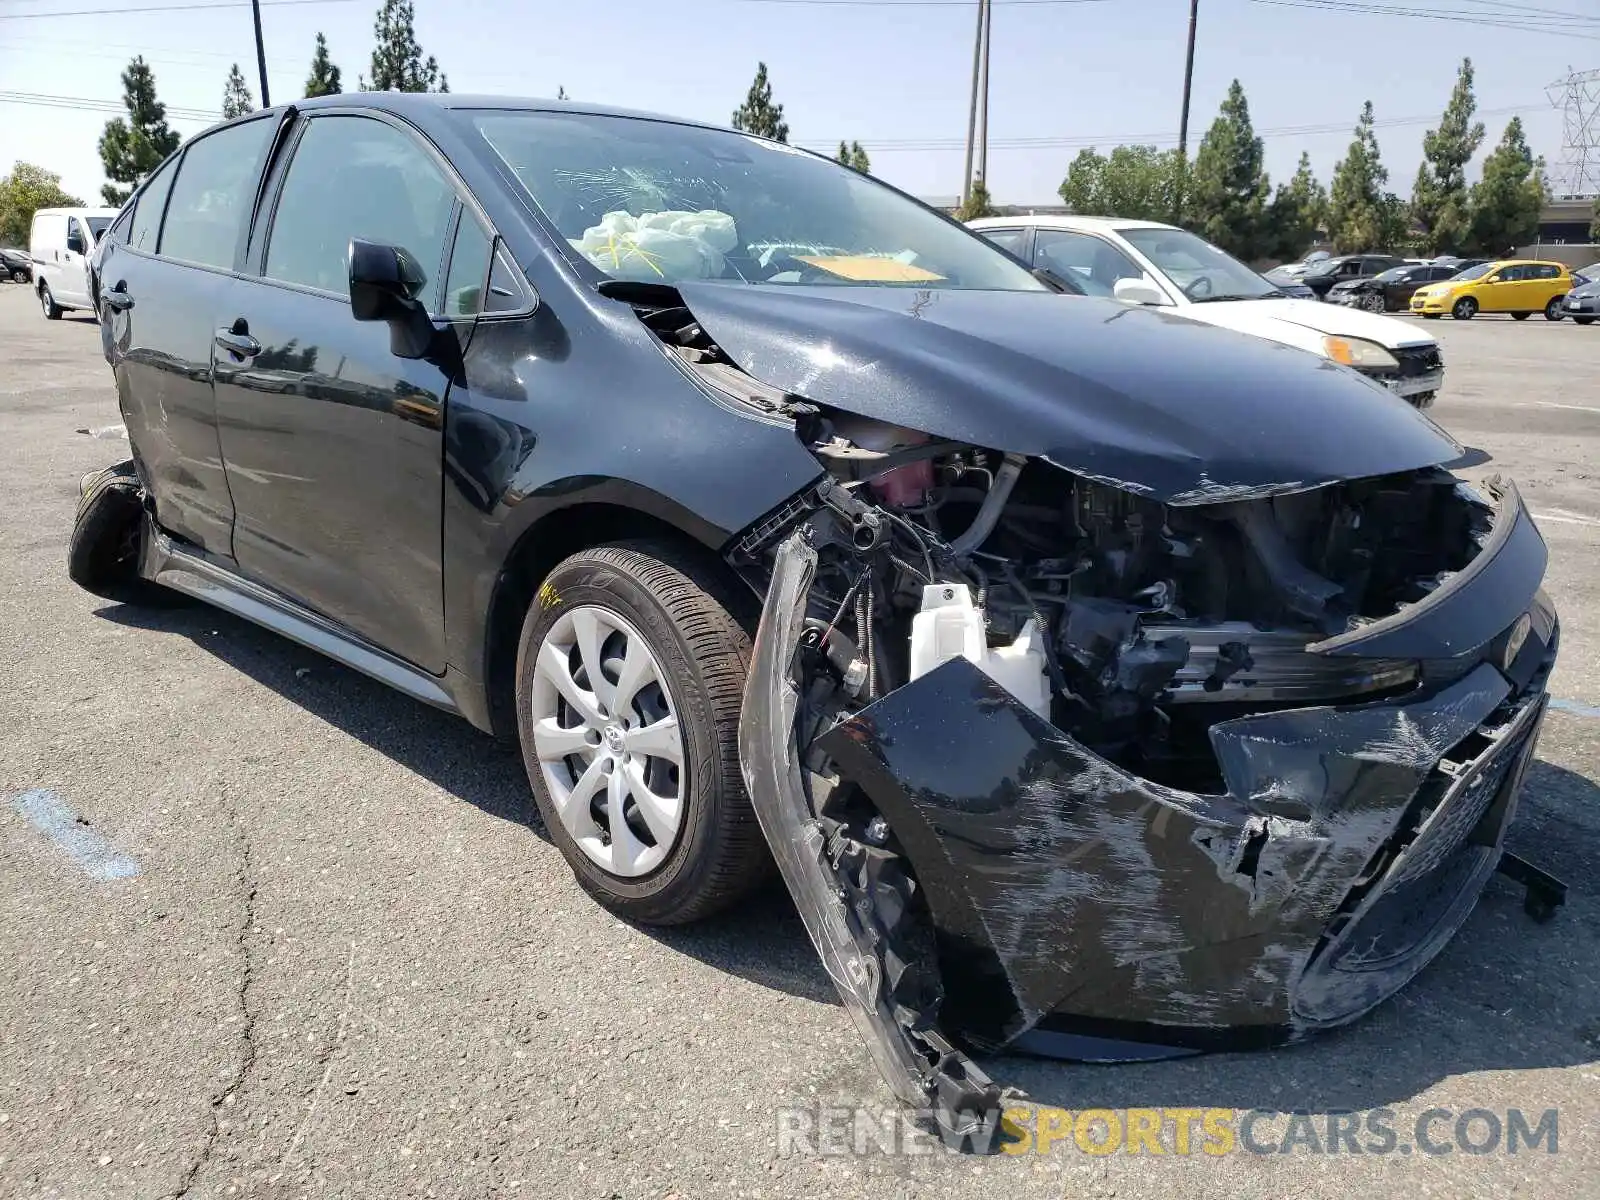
{"x": 552, "y": 539}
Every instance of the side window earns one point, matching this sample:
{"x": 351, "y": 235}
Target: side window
{"x": 356, "y": 177}
{"x": 212, "y": 195}
{"x": 149, "y": 207}
{"x": 1007, "y": 239}
{"x": 507, "y": 293}
{"x": 1083, "y": 259}
{"x": 1549, "y": 272}
{"x": 1512, "y": 274}
{"x": 469, "y": 267}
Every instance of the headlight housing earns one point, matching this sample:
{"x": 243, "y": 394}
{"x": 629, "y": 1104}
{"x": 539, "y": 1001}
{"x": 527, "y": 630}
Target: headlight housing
{"x": 1354, "y": 352}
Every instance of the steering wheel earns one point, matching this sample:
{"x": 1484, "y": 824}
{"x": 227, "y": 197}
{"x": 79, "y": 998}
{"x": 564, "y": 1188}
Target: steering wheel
{"x": 1198, "y": 288}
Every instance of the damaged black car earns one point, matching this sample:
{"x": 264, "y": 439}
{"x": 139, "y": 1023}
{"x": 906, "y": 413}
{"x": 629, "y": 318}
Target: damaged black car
{"x": 1103, "y": 684}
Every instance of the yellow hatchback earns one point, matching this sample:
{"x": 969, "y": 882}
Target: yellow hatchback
{"x": 1517, "y": 286}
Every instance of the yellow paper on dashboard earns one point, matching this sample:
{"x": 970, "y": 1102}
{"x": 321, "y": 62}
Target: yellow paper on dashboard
{"x": 869, "y": 268}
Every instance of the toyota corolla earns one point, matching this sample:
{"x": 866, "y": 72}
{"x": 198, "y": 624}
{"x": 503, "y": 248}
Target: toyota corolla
{"x": 1103, "y": 683}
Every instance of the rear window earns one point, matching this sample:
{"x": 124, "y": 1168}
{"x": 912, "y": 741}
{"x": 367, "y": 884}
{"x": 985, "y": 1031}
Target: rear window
{"x": 212, "y": 195}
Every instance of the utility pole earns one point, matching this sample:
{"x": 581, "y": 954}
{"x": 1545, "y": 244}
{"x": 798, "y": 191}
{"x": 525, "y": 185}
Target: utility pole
{"x": 983, "y": 122}
{"x": 1183, "y": 121}
{"x": 261, "y": 54}
{"x": 972, "y": 111}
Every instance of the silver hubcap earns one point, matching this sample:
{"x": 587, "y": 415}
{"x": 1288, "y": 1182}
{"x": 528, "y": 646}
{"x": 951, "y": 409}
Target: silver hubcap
{"x": 606, "y": 734}
{"x": 1375, "y": 303}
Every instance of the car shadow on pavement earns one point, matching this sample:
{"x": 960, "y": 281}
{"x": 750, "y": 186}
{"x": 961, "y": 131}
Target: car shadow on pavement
{"x": 439, "y": 746}
{"x": 1506, "y": 994}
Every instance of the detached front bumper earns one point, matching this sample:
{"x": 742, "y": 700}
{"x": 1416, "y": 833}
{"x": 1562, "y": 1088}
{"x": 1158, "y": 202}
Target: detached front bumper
{"x": 1079, "y": 910}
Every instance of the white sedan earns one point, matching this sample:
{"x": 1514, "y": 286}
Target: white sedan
{"x": 1145, "y": 262}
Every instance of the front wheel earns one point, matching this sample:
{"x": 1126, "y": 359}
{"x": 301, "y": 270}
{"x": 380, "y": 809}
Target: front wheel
{"x": 1552, "y": 311}
{"x": 630, "y": 675}
{"x": 1373, "y": 302}
{"x": 47, "y": 302}
{"x": 1465, "y": 309}
{"x": 19, "y": 276}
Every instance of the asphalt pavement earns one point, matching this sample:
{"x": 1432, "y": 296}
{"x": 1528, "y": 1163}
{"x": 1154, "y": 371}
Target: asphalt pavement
{"x": 270, "y": 929}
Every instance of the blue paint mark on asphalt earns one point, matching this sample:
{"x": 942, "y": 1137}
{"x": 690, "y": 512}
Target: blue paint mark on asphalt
{"x": 1572, "y": 706}
{"x": 49, "y": 814}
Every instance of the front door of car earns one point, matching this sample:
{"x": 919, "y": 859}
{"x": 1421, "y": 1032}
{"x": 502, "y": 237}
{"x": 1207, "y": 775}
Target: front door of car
{"x": 1502, "y": 290}
{"x": 72, "y": 286}
{"x": 334, "y": 442}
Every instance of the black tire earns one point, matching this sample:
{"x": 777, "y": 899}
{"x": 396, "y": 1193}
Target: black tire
{"x": 1465, "y": 309}
{"x": 1520, "y": 316}
{"x": 103, "y": 552}
{"x": 19, "y": 276}
{"x": 682, "y": 609}
{"x": 52, "y": 310}
{"x": 1552, "y": 311}
{"x": 1583, "y": 320}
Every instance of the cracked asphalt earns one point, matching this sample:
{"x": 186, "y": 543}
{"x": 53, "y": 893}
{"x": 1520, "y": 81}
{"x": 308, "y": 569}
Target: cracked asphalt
{"x": 349, "y": 965}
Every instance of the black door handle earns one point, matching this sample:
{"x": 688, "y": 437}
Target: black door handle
{"x": 240, "y": 344}
{"x": 117, "y": 299}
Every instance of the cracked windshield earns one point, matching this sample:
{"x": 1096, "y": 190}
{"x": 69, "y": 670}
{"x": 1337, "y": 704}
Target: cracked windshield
{"x": 660, "y": 203}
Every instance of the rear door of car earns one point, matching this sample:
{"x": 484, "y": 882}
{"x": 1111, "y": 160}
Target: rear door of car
{"x": 1548, "y": 283}
{"x": 334, "y": 444}
{"x": 158, "y": 293}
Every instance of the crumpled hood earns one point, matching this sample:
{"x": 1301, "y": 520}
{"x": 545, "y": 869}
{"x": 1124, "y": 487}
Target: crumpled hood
{"x": 1268, "y": 318}
{"x": 1140, "y": 398}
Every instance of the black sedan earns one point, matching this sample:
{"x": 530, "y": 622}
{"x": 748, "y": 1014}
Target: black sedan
{"x": 16, "y": 265}
{"x": 1583, "y": 303}
{"x": 1159, "y": 678}
{"x": 1388, "y": 291}
{"x": 1321, "y": 276}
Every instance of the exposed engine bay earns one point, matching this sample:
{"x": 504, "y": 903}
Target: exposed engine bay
{"x": 1131, "y": 624}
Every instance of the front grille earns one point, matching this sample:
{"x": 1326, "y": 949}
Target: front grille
{"x": 1436, "y": 868}
{"x": 1418, "y": 360}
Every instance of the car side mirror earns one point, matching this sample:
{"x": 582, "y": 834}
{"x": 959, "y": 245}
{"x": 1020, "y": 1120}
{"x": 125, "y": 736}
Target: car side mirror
{"x": 1137, "y": 291}
{"x": 75, "y": 242}
{"x": 385, "y": 283}
{"x": 1492, "y": 279}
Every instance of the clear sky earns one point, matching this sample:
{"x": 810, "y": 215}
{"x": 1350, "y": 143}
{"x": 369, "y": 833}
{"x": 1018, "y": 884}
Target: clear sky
{"x": 893, "y": 74}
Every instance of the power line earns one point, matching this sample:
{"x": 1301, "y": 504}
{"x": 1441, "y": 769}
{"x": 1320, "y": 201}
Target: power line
{"x": 94, "y": 104}
{"x": 149, "y": 8}
{"x": 1459, "y": 17}
{"x": 1157, "y": 139}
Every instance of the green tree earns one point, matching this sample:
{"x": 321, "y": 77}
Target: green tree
{"x": 977, "y": 203}
{"x": 1226, "y": 192}
{"x": 1356, "y": 208}
{"x": 854, "y": 157}
{"x": 324, "y": 79}
{"x": 130, "y": 149}
{"x": 758, "y": 114}
{"x": 397, "y": 62}
{"x": 1135, "y": 182}
{"x": 1507, "y": 200}
{"x": 1299, "y": 208}
{"x": 22, "y": 193}
{"x": 1439, "y": 200}
{"x": 236, "y": 97}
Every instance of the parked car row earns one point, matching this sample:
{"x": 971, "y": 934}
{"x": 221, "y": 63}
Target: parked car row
{"x": 16, "y": 266}
{"x": 1391, "y": 290}
{"x": 1144, "y": 262}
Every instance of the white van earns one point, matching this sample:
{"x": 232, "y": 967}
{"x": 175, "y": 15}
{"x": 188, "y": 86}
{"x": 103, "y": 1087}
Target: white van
{"x": 60, "y": 246}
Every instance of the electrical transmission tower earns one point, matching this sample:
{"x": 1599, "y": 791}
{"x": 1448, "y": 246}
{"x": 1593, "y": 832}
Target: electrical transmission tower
{"x": 1577, "y": 95}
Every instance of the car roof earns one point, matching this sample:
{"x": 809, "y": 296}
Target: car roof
{"x": 1527, "y": 262}
{"x": 425, "y": 104}
{"x": 1083, "y": 224}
